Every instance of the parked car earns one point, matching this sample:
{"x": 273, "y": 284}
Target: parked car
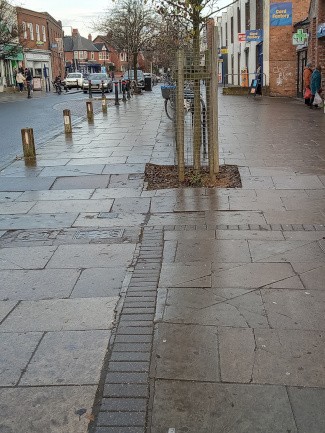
{"x": 129, "y": 75}
{"x": 97, "y": 80}
{"x": 74, "y": 79}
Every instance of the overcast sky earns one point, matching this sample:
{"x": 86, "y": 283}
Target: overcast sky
{"x": 76, "y": 13}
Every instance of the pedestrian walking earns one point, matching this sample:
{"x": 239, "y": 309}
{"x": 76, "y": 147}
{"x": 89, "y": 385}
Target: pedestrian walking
{"x": 29, "y": 80}
{"x": 20, "y": 81}
{"x": 259, "y": 78}
{"x": 315, "y": 84}
{"x": 307, "y": 75}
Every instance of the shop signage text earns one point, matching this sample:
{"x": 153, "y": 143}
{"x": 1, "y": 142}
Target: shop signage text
{"x": 241, "y": 37}
{"x": 281, "y": 14}
{"x": 254, "y": 35}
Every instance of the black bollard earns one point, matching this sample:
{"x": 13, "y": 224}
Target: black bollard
{"x": 102, "y": 88}
{"x": 90, "y": 92}
{"x": 123, "y": 90}
{"x": 120, "y": 86}
{"x": 28, "y": 89}
{"x": 116, "y": 94}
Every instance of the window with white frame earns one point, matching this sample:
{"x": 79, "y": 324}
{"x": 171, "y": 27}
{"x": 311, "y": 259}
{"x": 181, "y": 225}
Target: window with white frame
{"x": 100, "y": 56}
{"x": 38, "y": 38}
{"x": 75, "y": 55}
{"x": 122, "y": 57}
{"x": 24, "y": 29}
{"x": 44, "y": 33}
{"x": 31, "y": 30}
{"x": 81, "y": 54}
{"x": 85, "y": 55}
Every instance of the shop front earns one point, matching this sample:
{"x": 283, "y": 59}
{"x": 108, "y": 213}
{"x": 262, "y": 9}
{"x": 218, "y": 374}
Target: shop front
{"x": 8, "y": 66}
{"x": 39, "y": 61}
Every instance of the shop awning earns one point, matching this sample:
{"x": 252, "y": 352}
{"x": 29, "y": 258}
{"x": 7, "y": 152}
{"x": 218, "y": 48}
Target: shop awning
{"x": 17, "y": 52}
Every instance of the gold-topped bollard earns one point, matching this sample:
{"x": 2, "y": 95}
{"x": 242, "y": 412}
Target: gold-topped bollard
{"x": 90, "y": 111}
{"x": 27, "y": 136}
{"x": 104, "y": 104}
{"x": 67, "y": 121}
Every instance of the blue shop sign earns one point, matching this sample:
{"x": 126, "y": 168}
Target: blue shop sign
{"x": 254, "y": 35}
{"x": 321, "y": 31}
{"x": 281, "y": 14}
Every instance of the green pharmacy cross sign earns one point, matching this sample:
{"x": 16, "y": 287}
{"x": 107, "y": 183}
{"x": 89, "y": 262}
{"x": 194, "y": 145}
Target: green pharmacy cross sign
{"x": 299, "y": 38}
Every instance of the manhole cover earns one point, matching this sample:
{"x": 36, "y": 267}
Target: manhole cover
{"x": 37, "y": 236}
{"x": 107, "y": 215}
{"x": 99, "y": 234}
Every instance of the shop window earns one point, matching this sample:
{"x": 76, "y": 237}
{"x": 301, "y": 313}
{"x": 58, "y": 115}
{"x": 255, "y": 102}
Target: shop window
{"x": 44, "y": 33}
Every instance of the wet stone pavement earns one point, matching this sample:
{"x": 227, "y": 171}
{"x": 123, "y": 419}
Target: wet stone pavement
{"x": 124, "y": 310}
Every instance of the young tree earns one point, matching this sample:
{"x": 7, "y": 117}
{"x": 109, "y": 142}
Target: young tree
{"x": 131, "y": 26}
{"x": 192, "y": 15}
{"x": 9, "y": 31}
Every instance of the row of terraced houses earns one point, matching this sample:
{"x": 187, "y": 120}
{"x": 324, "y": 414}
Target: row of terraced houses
{"x": 47, "y": 52}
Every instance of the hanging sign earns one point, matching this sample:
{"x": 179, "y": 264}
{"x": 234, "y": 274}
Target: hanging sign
{"x": 321, "y": 30}
{"x": 224, "y": 51}
{"x": 281, "y": 14}
{"x": 299, "y": 38}
{"x": 241, "y": 37}
{"x": 254, "y": 35}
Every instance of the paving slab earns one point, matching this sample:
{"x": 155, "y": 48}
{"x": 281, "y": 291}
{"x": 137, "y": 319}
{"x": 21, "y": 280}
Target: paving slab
{"x": 294, "y": 217}
{"x": 15, "y": 208}
{"x": 222, "y": 307}
{"x": 114, "y": 220}
{"x": 25, "y": 258}
{"x": 308, "y": 408}
{"x": 99, "y": 282}
{"x": 295, "y": 309}
{"x": 108, "y": 193}
{"x": 130, "y": 206}
{"x": 72, "y": 206}
{"x": 9, "y": 196}
{"x": 55, "y": 195}
{"x": 186, "y": 352}
{"x": 50, "y": 409}
{"x": 234, "y": 217}
{"x": 25, "y": 183}
{"x": 37, "y": 284}
{"x": 61, "y": 314}
{"x": 286, "y": 251}
{"x": 69, "y": 358}
{"x": 18, "y": 349}
{"x": 72, "y": 170}
{"x": 5, "y": 308}
{"x": 92, "y": 256}
{"x": 220, "y": 408}
{"x": 37, "y": 221}
{"x": 298, "y": 182}
{"x": 185, "y": 275}
{"x": 313, "y": 279}
{"x": 251, "y": 275}
{"x": 214, "y": 250}
{"x": 81, "y": 182}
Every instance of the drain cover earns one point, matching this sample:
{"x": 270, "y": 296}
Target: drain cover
{"x": 37, "y": 236}
{"x": 107, "y": 215}
{"x": 99, "y": 234}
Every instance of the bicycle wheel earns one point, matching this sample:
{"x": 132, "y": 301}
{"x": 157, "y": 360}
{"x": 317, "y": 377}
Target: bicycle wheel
{"x": 169, "y": 108}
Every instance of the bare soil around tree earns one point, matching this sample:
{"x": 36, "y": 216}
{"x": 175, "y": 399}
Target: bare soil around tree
{"x": 166, "y": 176}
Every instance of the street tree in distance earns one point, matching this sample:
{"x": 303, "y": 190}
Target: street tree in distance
{"x": 130, "y": 26}
{"x": 9, "y": 31}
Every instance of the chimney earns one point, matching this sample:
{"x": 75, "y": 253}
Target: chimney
{"x": 90, "y": 38}
{"x": 75, "y": 32}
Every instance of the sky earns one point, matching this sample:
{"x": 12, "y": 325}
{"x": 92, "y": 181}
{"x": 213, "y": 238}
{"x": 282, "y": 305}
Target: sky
{"x": 79, "y": 14}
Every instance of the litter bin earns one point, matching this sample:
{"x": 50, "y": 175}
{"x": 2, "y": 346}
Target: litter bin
{"x": 148, "y": 83}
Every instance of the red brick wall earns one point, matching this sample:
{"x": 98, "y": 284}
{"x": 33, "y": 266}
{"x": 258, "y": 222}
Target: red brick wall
{"x": 283, "y": 56}
{"x": 54, "y": 32}
{"x": 35, "y": 18}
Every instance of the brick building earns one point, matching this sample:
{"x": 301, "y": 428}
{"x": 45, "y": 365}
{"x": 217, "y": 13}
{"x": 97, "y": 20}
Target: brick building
{"x": 80, "y": 53}
{"x": 117, "y": 57}
{"x": 262, "y": 31}
{"x": 316, "y": 47}
{"x": 42, "y": 39}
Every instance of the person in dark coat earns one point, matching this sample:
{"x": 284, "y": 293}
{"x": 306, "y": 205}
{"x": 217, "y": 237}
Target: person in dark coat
{"x": 315, "y": 84}
{"x": 307, "y": 75}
